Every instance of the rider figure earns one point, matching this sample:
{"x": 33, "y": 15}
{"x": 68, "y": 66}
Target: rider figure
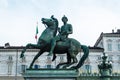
{"x": 65, "y": 30}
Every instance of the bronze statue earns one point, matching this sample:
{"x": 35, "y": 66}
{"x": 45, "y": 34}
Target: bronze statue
{"x": 69, "y": 46}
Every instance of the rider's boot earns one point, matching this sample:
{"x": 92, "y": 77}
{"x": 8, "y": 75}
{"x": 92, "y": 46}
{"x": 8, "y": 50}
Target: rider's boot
{"x": 54, "y": 57}
{"x": 51, "y": 50}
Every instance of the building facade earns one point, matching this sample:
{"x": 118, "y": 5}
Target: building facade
{"x": 12, "y": 65}
{"x": 111, "y": 44}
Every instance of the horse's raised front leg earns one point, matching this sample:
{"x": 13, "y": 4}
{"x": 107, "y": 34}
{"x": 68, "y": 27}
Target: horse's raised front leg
{"x": 36, "y": 57}
{"x": 29, "y": 46}
{"x": 23, "y": 51}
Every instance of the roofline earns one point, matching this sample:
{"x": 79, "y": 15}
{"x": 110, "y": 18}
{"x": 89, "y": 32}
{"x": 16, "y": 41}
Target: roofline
{"x": 106, "y": 35}
{"x": 96, "y": 49}
{"x": 12, "y": 47}
{"x": 17, "y": 48}
{"x": 99, "y": 39}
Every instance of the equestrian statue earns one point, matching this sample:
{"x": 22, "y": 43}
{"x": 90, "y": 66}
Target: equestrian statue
{"x": 50, "y": 42}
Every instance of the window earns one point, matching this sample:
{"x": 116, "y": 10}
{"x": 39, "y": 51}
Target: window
{"x": 10, "y": 58}
{"x": 49, "y": 61}
{"x": 49, "y": 66}
{"x": 119, "y": 46}
{"x": 48, "y": 58}
{"x": 61, "y": 58}
{"x": 36, "y": 66}
{"x": 24, "y": 59}
{"x": 110, "y": 58}
{"x": 118, "y": 59}
{"x": 88, "y": 68}
{"x": 99, "y": 58}
{"x": 23, "y": 68}
{"x": 10, "y": 64}
{"x": 109, "y": 45}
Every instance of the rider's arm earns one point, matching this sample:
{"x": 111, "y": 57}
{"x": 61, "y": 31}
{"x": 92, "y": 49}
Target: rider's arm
{"x": 70, "y": 30}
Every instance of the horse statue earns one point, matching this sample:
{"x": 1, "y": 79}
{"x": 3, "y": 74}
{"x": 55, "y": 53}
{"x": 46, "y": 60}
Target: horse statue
{"x": 71, "y": 47}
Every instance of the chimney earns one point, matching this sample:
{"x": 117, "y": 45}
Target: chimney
{"x": 112, "y": 30}
{"x": 118, "y": 30}
{"x": 6, "y": 45}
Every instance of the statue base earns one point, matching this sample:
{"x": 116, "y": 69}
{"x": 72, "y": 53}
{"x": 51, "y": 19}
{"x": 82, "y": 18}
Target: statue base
{"x": 51, "y": 74}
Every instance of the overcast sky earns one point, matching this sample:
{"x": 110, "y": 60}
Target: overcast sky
{"x": 89, "y": 18}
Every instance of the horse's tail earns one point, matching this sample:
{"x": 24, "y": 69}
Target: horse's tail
{"x": 85, "y": 55}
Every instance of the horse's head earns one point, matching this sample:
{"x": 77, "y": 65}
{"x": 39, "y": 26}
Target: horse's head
{"x": 48, "y": 22}
{"x": 51, "y": 23}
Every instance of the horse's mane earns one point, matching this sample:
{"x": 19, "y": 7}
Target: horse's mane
{"x": 56, "y": 24}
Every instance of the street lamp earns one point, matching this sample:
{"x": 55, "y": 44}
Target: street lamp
{"x": 105, "y": 68}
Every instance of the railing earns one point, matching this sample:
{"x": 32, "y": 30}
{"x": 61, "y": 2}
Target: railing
{"x": 96, "y": 76}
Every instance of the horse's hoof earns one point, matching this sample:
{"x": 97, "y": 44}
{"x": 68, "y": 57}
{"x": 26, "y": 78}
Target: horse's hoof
{"x": 57, "y": 67}
{"x": 54, "y": 57}
{"x": 30, "y": 67}
{"x": 64, "y": 67}
{"x": 73, "y": 67}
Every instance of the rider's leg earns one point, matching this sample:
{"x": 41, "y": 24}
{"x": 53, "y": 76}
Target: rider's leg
{"x": 53, "y": 44}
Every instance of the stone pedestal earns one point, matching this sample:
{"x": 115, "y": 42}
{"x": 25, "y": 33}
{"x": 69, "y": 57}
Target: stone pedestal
{"x": 51, "y": 74}
{"x": 105, "y": 74}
